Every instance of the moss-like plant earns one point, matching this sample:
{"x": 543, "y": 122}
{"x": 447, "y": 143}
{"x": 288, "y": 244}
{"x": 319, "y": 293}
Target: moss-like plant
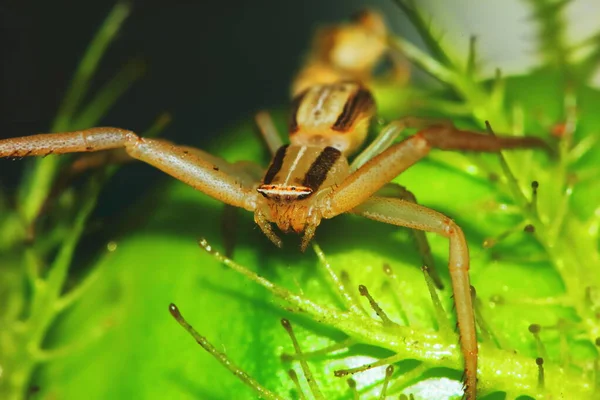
{"x": 360, "y": 297}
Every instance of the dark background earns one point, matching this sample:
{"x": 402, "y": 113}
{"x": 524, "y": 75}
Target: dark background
{"x": 209, "y": 64}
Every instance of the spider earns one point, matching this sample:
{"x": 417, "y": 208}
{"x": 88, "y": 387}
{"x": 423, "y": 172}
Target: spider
{"x": 311, "y": 179}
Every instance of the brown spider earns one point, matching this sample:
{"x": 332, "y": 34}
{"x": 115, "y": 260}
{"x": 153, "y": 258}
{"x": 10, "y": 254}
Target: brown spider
{"x": 311, "y": 178}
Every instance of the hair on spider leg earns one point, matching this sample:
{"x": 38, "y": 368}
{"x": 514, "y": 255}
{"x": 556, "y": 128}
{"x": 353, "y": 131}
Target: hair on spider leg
{"x": 535, "y": 329}
{"x": 14, "y": 157}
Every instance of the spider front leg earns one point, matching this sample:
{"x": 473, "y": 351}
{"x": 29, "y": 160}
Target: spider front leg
{"x": 403, "y": 213}
{"x": 246, "y": 172}
{"x": 394, "y": 190}
{"x": 384, "y": 167}
{"x": 388, "y": 135}
{"x": 210, "y": 175}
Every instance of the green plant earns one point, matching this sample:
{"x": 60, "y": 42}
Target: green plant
{"x": 534, "y": 258}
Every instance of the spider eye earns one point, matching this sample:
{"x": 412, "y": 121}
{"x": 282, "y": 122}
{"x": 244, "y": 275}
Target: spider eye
{"x": 284, "y": 193}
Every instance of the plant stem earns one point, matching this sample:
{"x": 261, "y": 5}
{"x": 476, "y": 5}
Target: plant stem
{"x": 43, "y": 310}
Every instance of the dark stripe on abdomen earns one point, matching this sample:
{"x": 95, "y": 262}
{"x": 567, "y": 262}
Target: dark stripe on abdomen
{"x": 360, "y": 101}
{"x": 317, "y": 173}
{"x": 275, "y": 164}
{"x": 293, "y": 126}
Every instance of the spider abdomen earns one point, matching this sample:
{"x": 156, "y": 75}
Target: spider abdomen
{"x": 335, "y": 115}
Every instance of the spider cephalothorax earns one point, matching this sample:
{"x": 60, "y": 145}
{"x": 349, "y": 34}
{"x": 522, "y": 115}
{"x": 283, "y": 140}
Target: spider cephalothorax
{"x": 294, "y": 185}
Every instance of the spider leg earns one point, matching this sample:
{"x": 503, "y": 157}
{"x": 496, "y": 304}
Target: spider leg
{"x": 404, "y": 213}
{"x": 268, "y": 131}
{"x": 121, "y": 156}
{"x": 250, "y": 173}
{"x": 247, "y": 172}
{"x": 394, "y": 190}
{"x": 253, "y": 173}
{"x": 97, "y": 160}
{"x": 390, "y": 133}
{"x": 384, "y": 167}
{"x": 196, "y": 168}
